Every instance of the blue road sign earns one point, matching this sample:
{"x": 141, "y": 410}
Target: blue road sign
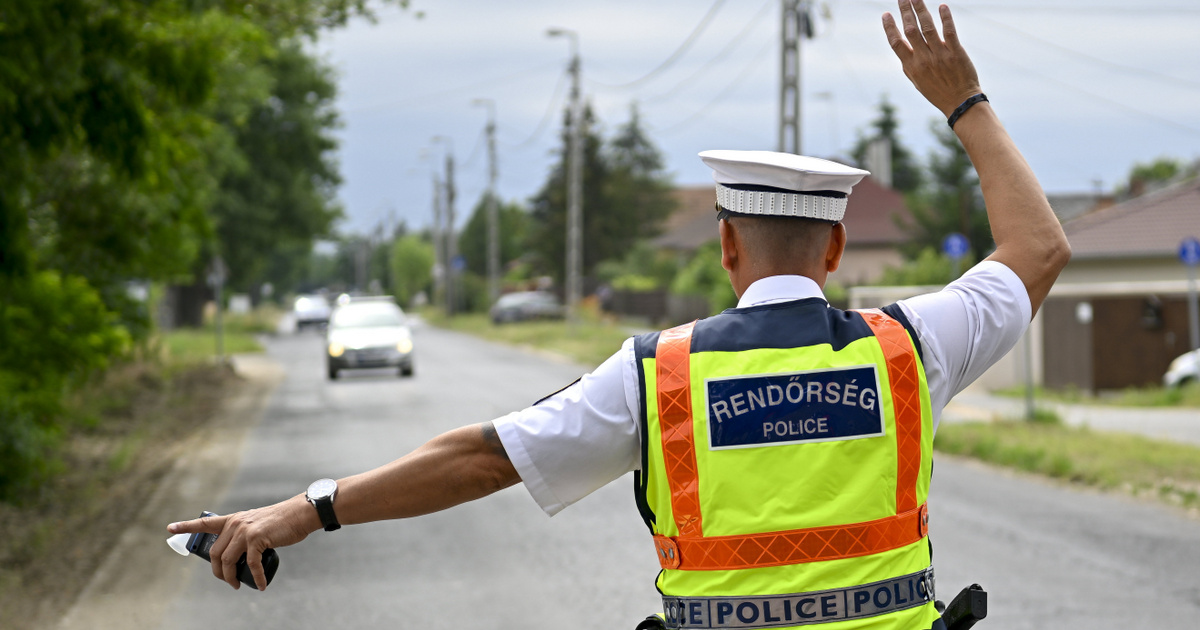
{"x": 1189, "y": 252}
{"x": 955, "y": 245}
{"x": 459, "y": 263}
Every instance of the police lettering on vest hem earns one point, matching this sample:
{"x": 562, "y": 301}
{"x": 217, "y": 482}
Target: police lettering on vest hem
{"x": 798, "y": 609}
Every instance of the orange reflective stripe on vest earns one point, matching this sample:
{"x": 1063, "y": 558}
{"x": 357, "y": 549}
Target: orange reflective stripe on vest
{"x": 691, "y": 550}
{"x": 675, "y": 413}
{"x": 906, "y": 401}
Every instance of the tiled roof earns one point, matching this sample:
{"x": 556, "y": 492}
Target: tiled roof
{"x": 1148, "y": 226}
{"x": 872, "y": 213}
{"x": 870, "y": 217}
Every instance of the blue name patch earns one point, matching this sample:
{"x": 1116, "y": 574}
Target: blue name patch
{"x": 817, "y": 406}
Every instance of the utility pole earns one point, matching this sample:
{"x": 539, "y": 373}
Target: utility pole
{"x": 493, "y": 221}
{"x": 574, "y": 183}
{"x": 795, "y": 25}
{"x": 439, "y": 257}
{"x": 451, "y": 254}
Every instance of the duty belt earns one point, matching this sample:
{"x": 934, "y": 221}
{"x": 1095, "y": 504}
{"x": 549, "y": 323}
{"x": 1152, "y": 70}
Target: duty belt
{"x": 798, "y": 609}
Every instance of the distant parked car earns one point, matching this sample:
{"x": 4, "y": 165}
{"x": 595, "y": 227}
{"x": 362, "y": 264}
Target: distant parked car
{"x": 311, "y": 310}
{"x": 526, "y": 305}
{"x": 1184, "y": 369}
{"x": 368, "y": 333}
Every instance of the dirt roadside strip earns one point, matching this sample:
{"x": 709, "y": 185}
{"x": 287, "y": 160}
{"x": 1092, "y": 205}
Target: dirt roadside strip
{"x": 140, "y": 576}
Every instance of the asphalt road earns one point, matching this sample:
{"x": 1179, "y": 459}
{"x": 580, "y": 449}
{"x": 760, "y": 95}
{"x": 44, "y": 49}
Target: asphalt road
{"x": 1051, "y": 557}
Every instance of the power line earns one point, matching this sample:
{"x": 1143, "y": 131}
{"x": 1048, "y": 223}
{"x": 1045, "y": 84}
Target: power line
{"x": 720, "y": 56}
{"x": 551, "y": 107}
{"x": 1088, "y": 8}
{"x": 1140, "y": 72}
{"x": 687, "y": 43}
{"x": 1104, "y": 99}
{"x": 1132, "y": 8}
{"x": 753, "y": 65}
{"x": 475, "y": 151}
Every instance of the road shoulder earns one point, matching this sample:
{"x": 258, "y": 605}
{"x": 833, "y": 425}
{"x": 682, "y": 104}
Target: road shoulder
{"x": 140, "y": 576}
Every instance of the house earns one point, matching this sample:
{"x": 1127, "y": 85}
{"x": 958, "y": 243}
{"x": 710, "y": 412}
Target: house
{"x": 1118, "y": 314}
{"x": 1068, "y": 206}
{"x": 872, "y": 221}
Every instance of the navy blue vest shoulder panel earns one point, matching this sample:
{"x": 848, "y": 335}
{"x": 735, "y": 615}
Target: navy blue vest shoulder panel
{"x": 795, "y": 324}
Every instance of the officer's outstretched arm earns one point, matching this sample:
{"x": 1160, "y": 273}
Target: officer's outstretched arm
{"x": 1029, "y": 239}
{"x": 458, "y": 466}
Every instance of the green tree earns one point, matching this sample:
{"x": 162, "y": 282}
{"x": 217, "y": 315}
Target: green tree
{"x": 705, "y": 276}
{"x": 279, "y": 196}
{"x": 950, "y": 202}
{"x": 929, "y": 267}
{"x": 412, "y": 267}
{"x": 625, "y": 198}
{"x": 1144, "y": 177}
{"x": 906, "y": 172}
{"x": 638, "y": 189}
{"x": 118, "y": 123}
{"x": 514, "y": 228}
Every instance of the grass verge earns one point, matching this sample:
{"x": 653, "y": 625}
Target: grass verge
{"x": 197, "y": 345}
{"x": 126, "y": 428}
{"x": 1187, "y": 395}
{"x": 1108, "y": 461}
{"x": 589, "y": 342}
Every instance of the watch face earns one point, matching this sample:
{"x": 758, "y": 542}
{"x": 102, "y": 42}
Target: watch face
{"x": 321, "y": 488}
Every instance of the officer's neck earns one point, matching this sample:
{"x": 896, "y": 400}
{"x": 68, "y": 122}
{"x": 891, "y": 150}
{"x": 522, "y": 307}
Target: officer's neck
{"x": 742, "y": 276}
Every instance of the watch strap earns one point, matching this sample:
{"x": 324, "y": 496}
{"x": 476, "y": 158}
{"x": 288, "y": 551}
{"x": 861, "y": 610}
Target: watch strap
{"x": 325, "y": 512}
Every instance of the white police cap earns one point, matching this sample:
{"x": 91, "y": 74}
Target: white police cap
{"x": 781, "y": 184}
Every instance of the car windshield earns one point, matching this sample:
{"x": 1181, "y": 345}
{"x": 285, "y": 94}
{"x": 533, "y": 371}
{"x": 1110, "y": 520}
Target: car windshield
{"x": 512, "y": 299}
{"x": 367, "y": 316}
{"x": 311, "y": 303}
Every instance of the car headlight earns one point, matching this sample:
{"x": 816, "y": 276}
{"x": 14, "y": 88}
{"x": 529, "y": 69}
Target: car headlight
{"x": 404, "y": 345}
{"x": 336, "y": 349}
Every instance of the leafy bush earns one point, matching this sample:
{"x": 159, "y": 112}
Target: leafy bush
{"x": 928, "y": 268}
{"x": 56, "y": 332}
{"x": 704, "y": 275}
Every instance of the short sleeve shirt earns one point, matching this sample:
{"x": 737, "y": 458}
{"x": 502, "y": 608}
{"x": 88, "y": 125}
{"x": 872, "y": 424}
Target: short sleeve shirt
{"x": 581, "y": 438}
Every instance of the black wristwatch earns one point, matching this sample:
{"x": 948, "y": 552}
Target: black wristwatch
{"x": 321, "y": 494}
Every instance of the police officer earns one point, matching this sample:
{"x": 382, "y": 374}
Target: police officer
{"x": 781, "y": 449}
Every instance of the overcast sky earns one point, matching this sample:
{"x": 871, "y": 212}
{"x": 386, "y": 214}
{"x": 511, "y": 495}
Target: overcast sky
{"x": 1086, "y": 88}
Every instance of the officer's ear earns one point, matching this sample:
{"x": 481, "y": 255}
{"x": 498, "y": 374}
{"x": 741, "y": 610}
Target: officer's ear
{"x": 729, "y": 251}
{"x": 835, "y": 248}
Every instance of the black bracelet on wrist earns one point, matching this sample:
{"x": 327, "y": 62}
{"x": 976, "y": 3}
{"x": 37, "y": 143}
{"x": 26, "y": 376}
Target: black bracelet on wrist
{"x": 962, "y": 109}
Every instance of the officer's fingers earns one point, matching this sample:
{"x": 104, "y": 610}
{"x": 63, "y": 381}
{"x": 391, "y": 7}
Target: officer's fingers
{"x": 895, "y": 39}
{"x": 949, "y": 31}
{"x": 254, "y": 561}
{"x": 925, "y": 20}
{"x": 229, "y": 561}
{"x": 205, "y": 525}
{"x": 911, "y": 29}
{"x": 223, "y": 557}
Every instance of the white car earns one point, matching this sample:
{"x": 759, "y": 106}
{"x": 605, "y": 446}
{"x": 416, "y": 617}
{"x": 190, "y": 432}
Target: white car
{"x": 368, "y": 333}
{"x": 1184, "y": 369}
{"x": 311, "y": 310}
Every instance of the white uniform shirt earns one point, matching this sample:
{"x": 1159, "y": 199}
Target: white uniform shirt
{"x": 587, "y": 435}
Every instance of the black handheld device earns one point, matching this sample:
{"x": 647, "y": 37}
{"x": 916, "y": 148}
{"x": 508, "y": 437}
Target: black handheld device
{"x": 200, "y": 544}
{"x": 968, "y": 607}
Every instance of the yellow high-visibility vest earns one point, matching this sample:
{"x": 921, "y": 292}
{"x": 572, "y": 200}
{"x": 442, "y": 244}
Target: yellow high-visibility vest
{"x": 787, "y": 453}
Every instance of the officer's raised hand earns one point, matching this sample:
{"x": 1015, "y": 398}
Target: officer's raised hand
{"x": 939, "y": 68}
